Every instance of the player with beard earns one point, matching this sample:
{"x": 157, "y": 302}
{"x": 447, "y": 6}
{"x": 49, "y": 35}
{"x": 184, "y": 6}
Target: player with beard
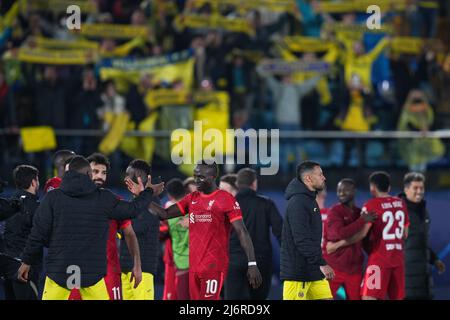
{"x": 303, "y": 270}
{"x": 100, "y": 166}
{"x": 345, "y": 222}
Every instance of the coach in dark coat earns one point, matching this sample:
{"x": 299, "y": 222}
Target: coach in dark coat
{"x": 419, "y": 257}
{"x": 73, "y": 223}
{"x": 301, "y": 258}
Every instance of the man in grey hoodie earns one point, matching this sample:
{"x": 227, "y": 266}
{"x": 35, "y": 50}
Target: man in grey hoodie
{"x": 287, "y": 96}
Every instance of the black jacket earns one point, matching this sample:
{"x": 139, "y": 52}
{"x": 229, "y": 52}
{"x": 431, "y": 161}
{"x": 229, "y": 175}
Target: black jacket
{"x": 18, "y": 227}
{"x": 73, "y": 222}
{"x": 301, "y": 254}
{"x": 8, "y": 208}
{"x": 259, "y": 213}
{"x": 146, "y": 227}
{"x": 418, "y": 255}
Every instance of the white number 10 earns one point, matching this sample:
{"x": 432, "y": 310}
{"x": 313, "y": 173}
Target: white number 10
{"x": 211, "y": 286}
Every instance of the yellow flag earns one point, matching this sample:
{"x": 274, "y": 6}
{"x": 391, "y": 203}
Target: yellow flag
{"x": 115, "y": 135}
{"x": 141, "y": 147}
{"x": 36, "y": 139}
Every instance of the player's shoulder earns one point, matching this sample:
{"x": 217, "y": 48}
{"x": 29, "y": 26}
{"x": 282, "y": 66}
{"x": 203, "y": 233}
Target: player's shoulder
{"x": 373, "y": 202}
{"x": 335, "y": 207}
{"x": 52, "y": 193}
{"x": 224, "y": 196}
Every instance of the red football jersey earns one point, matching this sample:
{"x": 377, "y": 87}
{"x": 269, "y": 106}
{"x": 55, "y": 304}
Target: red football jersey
{"x": 210, "y": 218}
{"x": 52, "y": 183}
{"x": 112, "y": 255}
{"x": 342, "y": 223}
{"x": 385, "y": 240}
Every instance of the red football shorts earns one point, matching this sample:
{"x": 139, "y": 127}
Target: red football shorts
{"x": 380, "y": 282}
{"x": 206, "y": 285}
{"x": 350, "y": 282}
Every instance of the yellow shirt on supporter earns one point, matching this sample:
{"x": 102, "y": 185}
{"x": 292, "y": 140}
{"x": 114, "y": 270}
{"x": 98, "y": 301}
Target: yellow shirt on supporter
{"x": 355, "y": 119}
{"x": 362, "y": 65}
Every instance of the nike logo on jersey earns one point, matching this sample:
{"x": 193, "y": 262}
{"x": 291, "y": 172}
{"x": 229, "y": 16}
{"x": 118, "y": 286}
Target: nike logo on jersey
{"x": 193, "y": 202}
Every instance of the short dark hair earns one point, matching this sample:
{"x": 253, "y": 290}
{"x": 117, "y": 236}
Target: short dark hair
{"x": 24, "y": 175}
{"x": 306, "y": 166}
{"x": 99, "y": 158}
{"x": 60, "y": 157}
{"x": 79, "y": 164}
{"x": 210, "y": 166}
{"x": 231, "y": 179}
{"x": 381, "y": 180}
{"x": 246, "y": 177}
{"x": 413, "y": 177}
{"x": 348, "y": 181}
{"x": 68, "y": 160}
{"x": 175, "y": 188}
{"x": 139, "y": 164}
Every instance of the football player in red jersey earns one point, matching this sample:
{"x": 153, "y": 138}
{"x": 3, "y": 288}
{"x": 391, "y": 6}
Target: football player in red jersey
{"x": 100, "y": 166}
{"x": 385, "y": 272}
{"x": 59, "y": 162}
{"x": 345, "y": 222}
{"x": 212, "y": 213}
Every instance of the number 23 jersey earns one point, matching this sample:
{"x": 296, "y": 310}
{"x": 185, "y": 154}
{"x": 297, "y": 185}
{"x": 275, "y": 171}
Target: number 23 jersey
{"x": 385, "y": 239}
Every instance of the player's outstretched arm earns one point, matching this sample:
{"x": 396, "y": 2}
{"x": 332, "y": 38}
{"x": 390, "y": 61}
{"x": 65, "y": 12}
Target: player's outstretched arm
{"x": 253, "y": 274}
{"x": 334, "y": 246}
{"x": 171, "y": 212}
{"x": 133, "y": 248}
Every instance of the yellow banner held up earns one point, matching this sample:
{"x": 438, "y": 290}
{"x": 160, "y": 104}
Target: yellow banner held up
{"x": 58, "y": 6}
{"x": 183, "y": 71}
{"x": 359, "y": 28}
{"x": 272, "y": 5}
{"x": 213, "y": 21}
{"x": 407, "y": 45}
{"x": 116, "y": 31}
{"x": 167, "y": 97}
{"x": 361, "y": 5}
{"x": 307, "y": 44}
{"x": 48, "y": 43}
{"x": 37, "y": 139}
{"x": 45, "y": 56}
{"x": 160, "y": 97}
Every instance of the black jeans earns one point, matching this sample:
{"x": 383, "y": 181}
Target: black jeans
{"x": 237, "y": 286}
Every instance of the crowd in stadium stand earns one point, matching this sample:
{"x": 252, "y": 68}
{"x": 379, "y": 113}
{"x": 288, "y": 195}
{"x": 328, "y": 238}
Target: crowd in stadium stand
{"x": 372, "y": 80}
